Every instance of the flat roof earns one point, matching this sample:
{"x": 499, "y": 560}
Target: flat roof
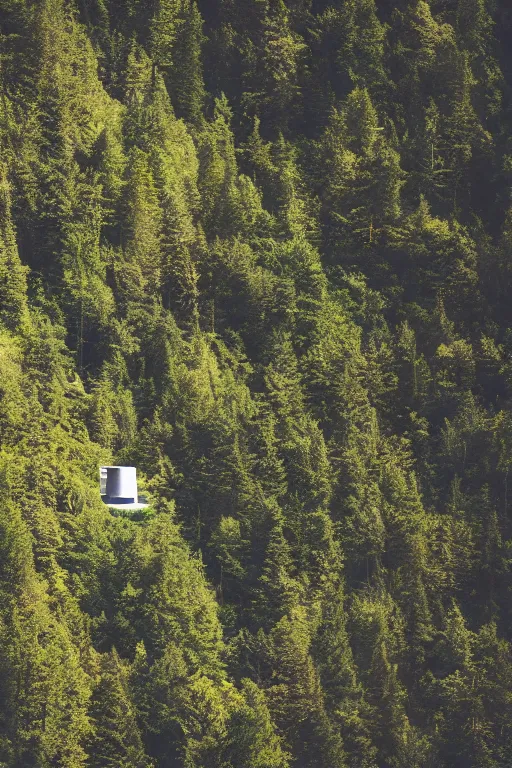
{"x": 113, "y": 466}
{"x": 129, "y": 507}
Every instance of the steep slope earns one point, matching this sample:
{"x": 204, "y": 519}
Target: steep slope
{"x": 261, "y": 250}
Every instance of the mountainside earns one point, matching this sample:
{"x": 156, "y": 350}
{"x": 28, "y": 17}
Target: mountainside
{"x": 262, "y": 251}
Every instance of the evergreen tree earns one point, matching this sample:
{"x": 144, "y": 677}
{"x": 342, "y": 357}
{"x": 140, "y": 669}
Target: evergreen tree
{"x": 260, "y": 250}
{"x": 13, "y": 280}
{"x": 117, "y": 739}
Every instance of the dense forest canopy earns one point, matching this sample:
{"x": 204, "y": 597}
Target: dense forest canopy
{"x": 261, "y": 250}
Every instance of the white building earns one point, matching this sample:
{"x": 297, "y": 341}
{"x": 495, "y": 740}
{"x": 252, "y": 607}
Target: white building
{"x": 118, "y": 487}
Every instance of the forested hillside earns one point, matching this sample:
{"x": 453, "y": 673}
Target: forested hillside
{"x": 261, "y": 250}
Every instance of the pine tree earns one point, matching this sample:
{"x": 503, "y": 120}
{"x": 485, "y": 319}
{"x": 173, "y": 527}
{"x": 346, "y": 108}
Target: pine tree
{"x": 13, "y": 275}
{"x": 142, "y": 242}
{"x": 344, "y": 695}
{"x": 352, "y": 44}
{"x": 464, "y": 733}
{"x": 117, "y": 740}
{"x": 363, "y": 172}
{"x": 45, "y": 691}
{"x": 296, "y": 699}
{"x": 219, "y": 174}
{"x": 186, "y": 76}
{"x": 277, "y": 592}
{"x": 252, "y": 741}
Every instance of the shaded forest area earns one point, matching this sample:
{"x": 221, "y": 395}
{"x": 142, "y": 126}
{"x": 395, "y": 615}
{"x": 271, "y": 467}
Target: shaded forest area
{"x": 262, "y": 250}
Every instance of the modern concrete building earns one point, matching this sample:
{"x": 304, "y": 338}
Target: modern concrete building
{"x": 118, "y": 488}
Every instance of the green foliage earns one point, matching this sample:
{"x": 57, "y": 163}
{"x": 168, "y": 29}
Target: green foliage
{"x": 259, "y": 249}
{"x": 116, "y": 738}
{"x": 13, "y": 280}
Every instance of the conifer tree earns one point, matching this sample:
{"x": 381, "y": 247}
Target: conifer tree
{"x": 252, "y": 741}
{"x": 116, "y": 739}
{"x": 13, "y": 280}
{"x": 185, "y": 76}
{"x": 344, "y": 695}
{"x": 278, "y": 592}
{"x": 296, "y": 698}
{"x": 288, "y": 306}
